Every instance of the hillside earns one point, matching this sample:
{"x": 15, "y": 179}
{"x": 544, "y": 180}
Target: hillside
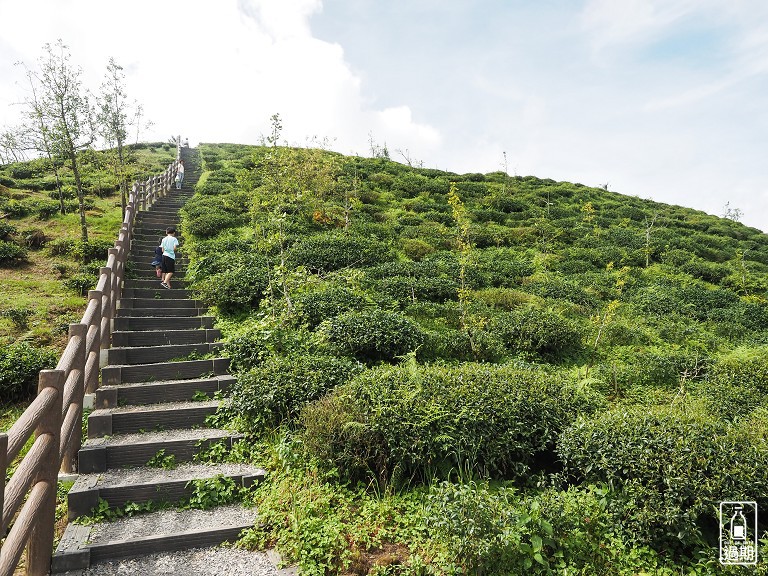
{"x": 45, "y": 270}
{"x": 584, "y": 364}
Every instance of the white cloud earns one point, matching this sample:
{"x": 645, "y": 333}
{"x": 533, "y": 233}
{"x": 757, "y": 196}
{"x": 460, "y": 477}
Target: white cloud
{"x": 215, "y": 73}
{"x": 565, "y": 92}
{"x": 612, "y": 25}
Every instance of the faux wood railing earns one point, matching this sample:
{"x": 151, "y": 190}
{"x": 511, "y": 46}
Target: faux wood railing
{"x": 54, "y": 418}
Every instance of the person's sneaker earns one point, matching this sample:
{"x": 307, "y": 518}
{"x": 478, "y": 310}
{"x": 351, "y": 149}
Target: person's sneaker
{"x": 164, "y": 285}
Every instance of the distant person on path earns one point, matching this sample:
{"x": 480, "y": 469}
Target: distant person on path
{"x": 180, "y": 175}
{"x": 170, "y": 246}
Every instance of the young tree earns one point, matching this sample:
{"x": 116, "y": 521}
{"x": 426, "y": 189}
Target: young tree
{"x": 115, "y": 116}
{"x": 35, "y": 134}
{"x": 59, "y": 113}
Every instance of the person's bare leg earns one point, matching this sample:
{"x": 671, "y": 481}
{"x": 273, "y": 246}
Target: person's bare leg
{"x": 167, "y": 278}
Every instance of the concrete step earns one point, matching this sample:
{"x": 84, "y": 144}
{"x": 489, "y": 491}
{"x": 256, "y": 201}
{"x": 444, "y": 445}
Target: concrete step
{"x": 158, "y": 293}
{"x": 140, "y": 485}
{"x": 83, "y": 546}
{"x": 155, "y": 354}
{"x": 143, "y": 260}
{"x": 162, "y": 323}
{"x": 158, "y": 372}
{"x": 141, "y": 303}
{"x": 142, "y": 246}
{"x": 151, "y": 284}
{"x": 149, "y": 232}
{"x": 164, "y": 337}
{"x": 134, "y": 419}
{"x": 171, "y": 312}
{"x": 147, "y": 272}
{"x": 132, "y": 450}
{"x": 133, "y": 394}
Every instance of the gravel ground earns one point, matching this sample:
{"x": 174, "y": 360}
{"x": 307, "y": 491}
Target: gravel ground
{"x": 217, "y": 561}
{"x": 144, "y": 475}
{"x": 163, "y": 436}
{"x": 163, "y": 406}
{"x": 171, "y": 521}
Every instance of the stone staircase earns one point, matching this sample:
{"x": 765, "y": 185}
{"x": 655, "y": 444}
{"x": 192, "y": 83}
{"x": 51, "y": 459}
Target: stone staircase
{"x": 148, "y": 407}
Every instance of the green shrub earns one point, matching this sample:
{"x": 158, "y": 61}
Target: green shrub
{"x": 743, "y": 367}
{"x": 210, "y": 224}
{"x": 415, "y": 248}
{"x": 738, "y": 382}
{"x": 671, "y": 464}
{"x": 61, "y": 246}
{"x": 412, "y": 421}
{"x": 503, "y": 267}
{"x": 408, "y": 289}
{"x": 326, "y": 303}
{"x": 538, "y": 331}
{"x": 652, "y": 366}
{"x": 6, "y": 230}
{"x": 81, "y": 283}
{"x": 19, "y": 365}
{"x": 374, "y": 335}
{"x": 95, "y": 250}
{"x": 276, "y": 391}
{"x": 236, "y": 290}
{"x": 475, "y": 345}
{"x": 563, "y": 289}
{"x": 331, "y": 251}
{"x": 18, "y": 316}
{"x": 11, "y": 253}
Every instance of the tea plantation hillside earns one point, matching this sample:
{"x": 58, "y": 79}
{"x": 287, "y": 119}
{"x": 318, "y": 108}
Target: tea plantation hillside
{"x": 45, "y": 269}
{"x": 478, "y": 373}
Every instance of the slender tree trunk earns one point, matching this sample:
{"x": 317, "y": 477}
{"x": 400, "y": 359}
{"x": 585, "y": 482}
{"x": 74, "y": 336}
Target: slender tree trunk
{"x": 121, "y": 178}
{"x": 80, "y": 194}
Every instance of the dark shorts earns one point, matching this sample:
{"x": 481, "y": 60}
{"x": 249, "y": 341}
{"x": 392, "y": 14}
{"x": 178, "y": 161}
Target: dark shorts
{"x": 169, "y": 264}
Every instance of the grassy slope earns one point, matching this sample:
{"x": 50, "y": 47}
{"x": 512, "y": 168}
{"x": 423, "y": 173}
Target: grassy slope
{"x": 36, "y": 283}
{"x": 700, "y": 295}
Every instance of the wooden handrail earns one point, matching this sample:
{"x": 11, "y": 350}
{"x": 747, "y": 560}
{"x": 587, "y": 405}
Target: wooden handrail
{"x": 54, "y": 417}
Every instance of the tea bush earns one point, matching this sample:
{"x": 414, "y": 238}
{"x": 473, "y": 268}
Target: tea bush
{"x": 6, "y": 230}
{"x": 82, "y": 282}
{"x": 538, "y": 331}
{"x": 19, "y": 366}
{"x": 332, "y": 300}
{"x": 413, "y": 421}
{"x": 331, "y": 251}
{"x": 237, "y": 290}
{"x": 502, "y": 267}
{"x": 11, "y": 253}
{"x": 211, "y": 223}
{"x": 276, "y": 391}
{"x": 95, "y": 250}
{"x": 374, "y": 335}
{"x": 408, "y": 289}
{"x": 670, "y": 462}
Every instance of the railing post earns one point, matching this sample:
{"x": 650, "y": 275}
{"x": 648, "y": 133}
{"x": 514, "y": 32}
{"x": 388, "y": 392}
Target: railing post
{"x": 93, "y": 345}
{"x": 41, "y": 539}
{"x": 3, "y": 471}
{"x": 106, "y": 303}
{"x": 69, "y": 451}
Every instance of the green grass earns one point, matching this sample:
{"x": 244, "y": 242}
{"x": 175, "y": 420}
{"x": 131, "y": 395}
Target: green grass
{"x": 37, "y": 284}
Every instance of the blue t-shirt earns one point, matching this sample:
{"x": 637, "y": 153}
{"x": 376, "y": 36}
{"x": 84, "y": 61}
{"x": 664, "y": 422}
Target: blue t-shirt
{"x": 168, "y": 244}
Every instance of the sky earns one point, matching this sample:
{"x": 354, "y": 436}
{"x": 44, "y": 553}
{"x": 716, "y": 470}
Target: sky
{"x": 659, "y": 99}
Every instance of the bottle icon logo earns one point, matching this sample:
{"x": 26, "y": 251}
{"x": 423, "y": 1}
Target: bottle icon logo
{"x": 738, "y": 525}
{"x": 738, "y": 533}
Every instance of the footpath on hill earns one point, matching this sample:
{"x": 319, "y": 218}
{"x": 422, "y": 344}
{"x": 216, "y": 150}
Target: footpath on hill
{"x": 132, "y": 509}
